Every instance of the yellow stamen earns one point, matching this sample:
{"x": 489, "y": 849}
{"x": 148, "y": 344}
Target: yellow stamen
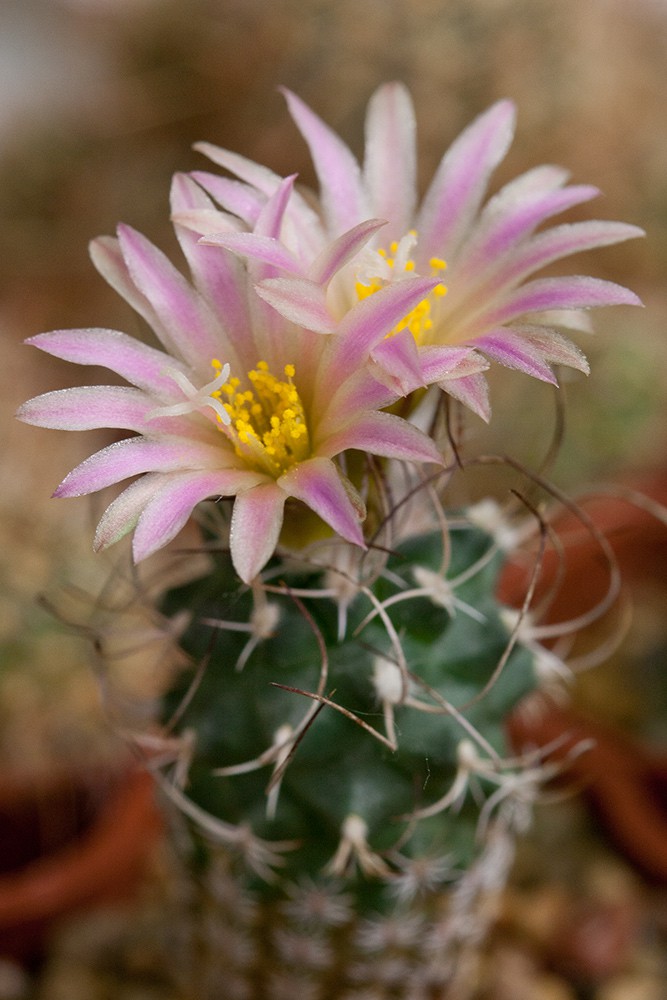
{"x": 268, "y": 423}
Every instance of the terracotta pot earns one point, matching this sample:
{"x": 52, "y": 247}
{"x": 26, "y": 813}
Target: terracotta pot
{"x": 637, "y": 538}
{"x": 625, "y": 783}
{"x": 67, "y": 845}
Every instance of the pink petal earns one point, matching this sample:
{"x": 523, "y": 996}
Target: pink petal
{"x": 460, "y": 183}
{"x": 373, "y": 318}
{"x": 337, "y": 254}
{"x": 438, "y": 363}
{"x": 554, "y": 347}
{"x": 383, "y": 434}
{"x": 198, "y": 222}
{"x": 256, "y": 522}
{"x": 187, "y": 196}
{"x": 361, "y": 392}
{"x": 536, "y": 181}
{"x": 258, "y": 176}
{"x": 503, "y": 227}
{"x": 299, "y": 300}
{"x": 265, "y": 249}
{"x": 390, "y": 165}
{"x": 513, "y": 351}
{"x": 169, "y": 509}
{"x": 106, "y": 255}
{"x": 266, "y": 181}
{"x": 88, "y": 407}
{"x": 575, "y": 292}
{"x": 142, "y": 365}
{"x": 268, "y": 257}
{"x": 561, "y": 241}
{"x": 218, "y": 277}
{"x": 270, "y": 220}
{"x": 342, "y": 195}
{"x": 122, "y": 514}
{"x": 400, "y": 362}
{"x": 319, "y": 484}
{"x": 240, "y": 199}
{"x": 133, "y": 456}
{"x": 472, "y": 391}
{"x": 181, "y": 311}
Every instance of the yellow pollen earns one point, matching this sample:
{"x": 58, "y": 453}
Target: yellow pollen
{"x": 418, "y": 321}
{"x": 268, "y": 424}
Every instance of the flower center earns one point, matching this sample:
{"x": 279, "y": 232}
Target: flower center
{"x": 383, "y": 267}
{"x": 267, "y": 422}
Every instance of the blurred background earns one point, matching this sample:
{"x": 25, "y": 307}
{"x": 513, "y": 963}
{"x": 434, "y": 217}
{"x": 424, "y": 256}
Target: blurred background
{"x": 100, "y": 102}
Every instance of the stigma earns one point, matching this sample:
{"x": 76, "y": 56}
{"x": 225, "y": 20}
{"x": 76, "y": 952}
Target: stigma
{"x": 196, "y": 400}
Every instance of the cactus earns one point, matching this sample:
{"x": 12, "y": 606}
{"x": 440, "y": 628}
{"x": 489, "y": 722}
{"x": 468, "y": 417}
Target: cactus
{"x": 348, "y": 751}
{"x": 337, "y": 748}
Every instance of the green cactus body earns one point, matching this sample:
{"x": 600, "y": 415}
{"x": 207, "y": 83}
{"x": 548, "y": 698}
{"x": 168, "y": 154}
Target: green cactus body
{"x": 346, "y": 761}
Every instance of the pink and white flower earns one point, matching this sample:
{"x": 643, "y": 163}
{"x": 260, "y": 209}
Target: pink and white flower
{"x": 237, "y": 402}
{"x": 301, "y": 325}
{"x": 486, "y": 303}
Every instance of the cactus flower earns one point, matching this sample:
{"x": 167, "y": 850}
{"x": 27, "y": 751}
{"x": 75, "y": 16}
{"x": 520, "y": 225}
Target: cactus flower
{"x": 485, "y": 254}
{"x": 238, "y": 401}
